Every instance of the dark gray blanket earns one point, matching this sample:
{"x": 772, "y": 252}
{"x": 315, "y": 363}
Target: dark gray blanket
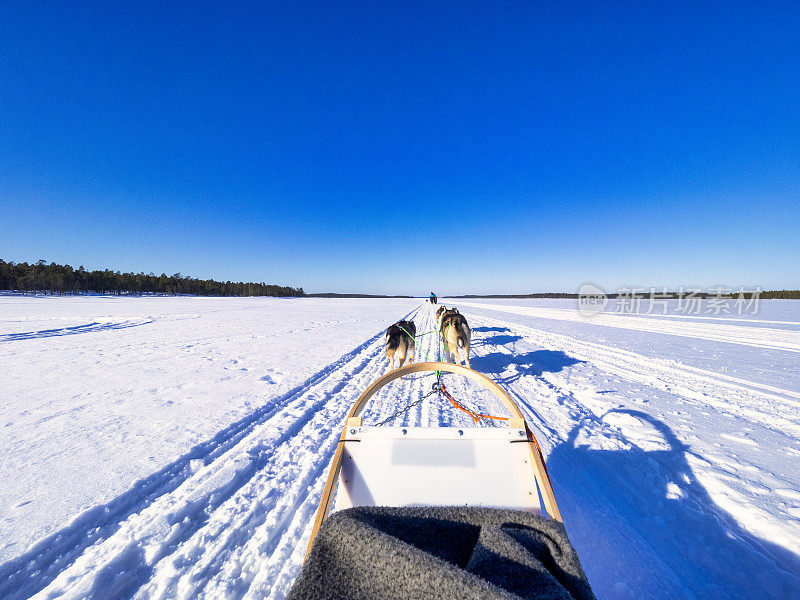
{"x": 379, "y": 553}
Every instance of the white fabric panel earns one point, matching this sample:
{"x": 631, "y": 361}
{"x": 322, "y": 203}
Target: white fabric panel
{"x": 437, "y": 466}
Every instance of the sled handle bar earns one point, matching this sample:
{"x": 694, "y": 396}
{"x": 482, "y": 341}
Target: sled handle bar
{"x": 480, "y": 378}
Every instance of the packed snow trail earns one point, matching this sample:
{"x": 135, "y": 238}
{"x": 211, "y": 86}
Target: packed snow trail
{"x": 231, "y": 518}
{"x": 86, "y": 415}
{"x": 673, "y": 481}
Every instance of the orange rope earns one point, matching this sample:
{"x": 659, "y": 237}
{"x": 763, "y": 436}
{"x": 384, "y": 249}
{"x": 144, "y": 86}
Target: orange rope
{"x": 475, "y": 416}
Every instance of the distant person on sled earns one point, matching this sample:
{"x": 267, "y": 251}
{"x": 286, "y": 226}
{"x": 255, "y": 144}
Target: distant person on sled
{"x": 433, "y": 298}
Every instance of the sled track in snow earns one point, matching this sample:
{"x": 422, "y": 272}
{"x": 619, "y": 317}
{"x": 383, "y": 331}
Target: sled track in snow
{"x": 182, "y": 497}
{"x": 773, "y": 407}
{"x": 765, "y": 338}
{"x": 231, "y": 517}
{"x": 611, "y": 492}
{"x": 93, "y": 327}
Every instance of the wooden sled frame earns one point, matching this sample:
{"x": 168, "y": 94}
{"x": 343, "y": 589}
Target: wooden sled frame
{"x": 516, "y": 420}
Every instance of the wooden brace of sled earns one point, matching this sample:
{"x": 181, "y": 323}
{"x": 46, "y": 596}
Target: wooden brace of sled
{"x": 516, "y": 420}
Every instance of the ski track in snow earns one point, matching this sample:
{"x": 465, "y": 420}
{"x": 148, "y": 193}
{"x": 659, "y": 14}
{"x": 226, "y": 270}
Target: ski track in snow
{"x": 633, "y": 493}
{"x": 757, "y": 337}
{"x": 74, "y": 330}
{"x": 639, "y": 451}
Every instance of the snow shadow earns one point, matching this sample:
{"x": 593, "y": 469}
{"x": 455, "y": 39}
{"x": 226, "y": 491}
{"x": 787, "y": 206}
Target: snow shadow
{"x": 645, "y": 527}
{"x": 495, "y": 340}
{"x": 491, "y": 329}
{"x": 534, "y": 363}
{"x": 76, "y": 329}
{"x": 122, "y": 577}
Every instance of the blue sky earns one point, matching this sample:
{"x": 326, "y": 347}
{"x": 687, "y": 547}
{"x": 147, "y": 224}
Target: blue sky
{"x": 403, "y": 147}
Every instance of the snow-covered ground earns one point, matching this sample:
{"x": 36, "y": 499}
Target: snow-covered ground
{"x": 176, "y": 447}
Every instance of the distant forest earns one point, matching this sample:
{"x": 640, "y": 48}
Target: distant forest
{"x": 337, "y": 295}
{"x": 40, "y": 277}
{"x": 781, "y": 294}
{"x": 63, "y": 279}
{"x": 768, "y": 295}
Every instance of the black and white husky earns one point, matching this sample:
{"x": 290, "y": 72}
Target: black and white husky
{"x": 454, "y": 333}
{"x": 400, "y": 342}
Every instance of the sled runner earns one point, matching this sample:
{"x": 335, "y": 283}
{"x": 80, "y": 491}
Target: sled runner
{"x": 439, "y": 512}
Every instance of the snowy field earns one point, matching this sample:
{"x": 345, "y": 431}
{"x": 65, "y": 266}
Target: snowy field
{"x": 177, "y": 447}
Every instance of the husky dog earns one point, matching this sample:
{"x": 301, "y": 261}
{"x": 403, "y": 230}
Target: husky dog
{"x": 399, "y": 342}
{"x": 439, "y": 312}
{"x": 454, "y": 332}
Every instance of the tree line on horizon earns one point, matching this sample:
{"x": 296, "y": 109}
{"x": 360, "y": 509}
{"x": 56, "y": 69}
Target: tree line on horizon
{"x": 781, "y": 295}
{"x": 40, "y": 277}
{"x": 63, "y": 279}
{"x": 644, "y": 295}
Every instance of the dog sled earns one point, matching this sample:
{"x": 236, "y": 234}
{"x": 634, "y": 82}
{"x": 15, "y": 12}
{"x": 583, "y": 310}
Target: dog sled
{"x": 439, "y": 512}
